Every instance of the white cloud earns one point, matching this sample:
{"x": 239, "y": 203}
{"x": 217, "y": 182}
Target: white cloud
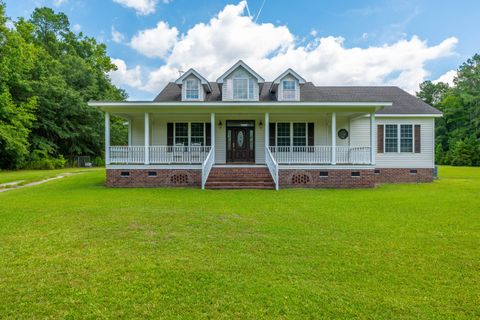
{"x": 214, "y": 46}
{"x": 447, "y": 77}
{"x": 124, "y": 76}
{"x": 117, "y": 36}
{"x": 142, "y": 7}
{"x": 58, "y": 3}
{"x": 76, "y": 28}
{"x": 155, "y": 42}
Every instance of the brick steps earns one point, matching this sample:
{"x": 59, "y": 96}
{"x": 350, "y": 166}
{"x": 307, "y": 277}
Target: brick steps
{"x": 240, "y": 178}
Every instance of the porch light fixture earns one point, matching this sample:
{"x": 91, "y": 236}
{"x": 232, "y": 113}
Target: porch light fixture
{"x": 220, "y": 124}
{"x": 260, "y": 124}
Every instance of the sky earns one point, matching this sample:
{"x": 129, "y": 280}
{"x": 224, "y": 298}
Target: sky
{"x": 389, "y": 42}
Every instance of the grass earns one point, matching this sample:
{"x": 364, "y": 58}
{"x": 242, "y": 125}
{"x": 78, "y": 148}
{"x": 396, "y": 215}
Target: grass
{"x": 72, "y": 248}
{"x": 28, "y": 176}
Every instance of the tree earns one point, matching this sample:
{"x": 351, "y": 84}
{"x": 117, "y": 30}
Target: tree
{"x": 458, "y": 131}
{"x": 17, "y": 102}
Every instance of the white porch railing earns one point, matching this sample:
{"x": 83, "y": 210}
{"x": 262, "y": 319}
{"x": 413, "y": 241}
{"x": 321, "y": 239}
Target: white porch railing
{"x": 272, "y": 166}
{"x": 159, "y": 154}
{"x": 320, "y": 155}
{"x": 132, "y": 154}
{"x": 178, "y": 154}
{"x": 207, "y": 166}
{"x": 353, "y": 155}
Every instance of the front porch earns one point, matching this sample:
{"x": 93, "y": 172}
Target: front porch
{"x": 279, "y": 141}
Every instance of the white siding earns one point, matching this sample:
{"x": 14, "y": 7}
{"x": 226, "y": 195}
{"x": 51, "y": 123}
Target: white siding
{"x": 227, "y": 86}
{"x": 424, "y": 159}
{"x": 359, "y": 132}
{"x": 138, "y": 131}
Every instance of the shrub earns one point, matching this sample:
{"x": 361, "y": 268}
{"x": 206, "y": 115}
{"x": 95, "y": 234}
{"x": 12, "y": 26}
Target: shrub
{"x": 42, "y": 161}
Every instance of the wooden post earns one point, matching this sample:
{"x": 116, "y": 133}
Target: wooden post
{"x": 212, "y": 133}
{"x": 372, "y": 138}
{"x": 107, "y": 138}
{"x": 147, "y": 138}
{"x": 334, "y": 138}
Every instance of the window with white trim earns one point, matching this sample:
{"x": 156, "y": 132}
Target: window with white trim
{"x": 243, "y": 89}
{"x": 299, "y": 134}
{"x": 288, "y": 89}
{"x": 191, "y": 89}
{"x": 181, "y": 134}
{"x": 283, "y": 134}
{"x": 406, "y": 138}
{"x": 197, "y": 134}
{"x": 391, "y": 138}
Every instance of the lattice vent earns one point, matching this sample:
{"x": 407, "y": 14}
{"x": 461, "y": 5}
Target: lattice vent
{"x": 300, "y": 179}
{"x": 179, "y": 179}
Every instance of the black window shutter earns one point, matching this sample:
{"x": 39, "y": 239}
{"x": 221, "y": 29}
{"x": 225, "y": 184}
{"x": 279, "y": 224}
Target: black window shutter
{"x": 208, "y": 134}
{"x": 311, "y": 134}
{"x": 170, "y": 134}
{"x": 272, "y": 134}
{"x": 417, "y": 134}
{"x": 380, "y": 129}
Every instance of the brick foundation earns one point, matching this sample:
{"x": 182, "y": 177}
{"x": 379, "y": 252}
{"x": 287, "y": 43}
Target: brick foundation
{"x": 327, "y": 178}
{"x": 147, "y": 178}
{"x": 289, "y": 178}
{"x": 401, "y": 175}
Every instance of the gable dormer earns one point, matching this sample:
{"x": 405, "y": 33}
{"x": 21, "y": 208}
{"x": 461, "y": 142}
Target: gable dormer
{"x": 240, "y": 83}
{"x": 193, "y": 85}
{"x": 287, "y": 86}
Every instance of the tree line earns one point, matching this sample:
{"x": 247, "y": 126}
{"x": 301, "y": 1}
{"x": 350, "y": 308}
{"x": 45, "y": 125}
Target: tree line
{"x": 458, "y": 131}
{"x": 48, "y": 73}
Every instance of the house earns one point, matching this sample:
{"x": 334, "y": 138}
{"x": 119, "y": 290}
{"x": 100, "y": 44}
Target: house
{"x": 244, "y": 132}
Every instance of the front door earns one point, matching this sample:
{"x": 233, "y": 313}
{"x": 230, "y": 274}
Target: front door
{"x": 240, "y": 141}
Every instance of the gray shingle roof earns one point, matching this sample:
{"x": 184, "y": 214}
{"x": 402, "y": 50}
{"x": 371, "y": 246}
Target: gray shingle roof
{"x": 402, "y": 101}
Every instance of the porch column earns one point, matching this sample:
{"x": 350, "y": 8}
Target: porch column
{"x": 267, "y": 129}
{"x": 334, "y": 138}
{"x": 107, "y": 138}
{"x": 372, "y": 138}
{"x": 147, "y": 138}
{"x": 130, "y": 132}
{"x": 212, "y": 133}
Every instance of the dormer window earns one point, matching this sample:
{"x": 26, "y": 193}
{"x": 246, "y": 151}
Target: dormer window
{"x": 289, "y": 90}
{"x": 192, "y": 89}
{"x": 242, "y": 89}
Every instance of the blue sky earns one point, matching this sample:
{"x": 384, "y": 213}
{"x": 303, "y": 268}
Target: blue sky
{"x": 395, "y": 42}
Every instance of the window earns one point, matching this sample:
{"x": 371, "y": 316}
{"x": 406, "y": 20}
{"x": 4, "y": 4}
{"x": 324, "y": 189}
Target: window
{"x": 242, "y": 89}
{"x": 289, "y": 92}
{"x": 324, "y": 174}
{"x": 283, "y": 134}
{"x": 197, "y": 134}
{"x": 181, "y": 134}
{"x": 125, "y": 174}
{"x": 355, "y": 174}
{"x": 299, "y": 134}
{"x": 152, "y": 173}
{"x": 191, "y": 91}
{"x": 406, "y": 138}
{"x": 391, "y": 138}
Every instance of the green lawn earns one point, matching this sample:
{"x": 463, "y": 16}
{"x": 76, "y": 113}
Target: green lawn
{"x": 72, "y": 248}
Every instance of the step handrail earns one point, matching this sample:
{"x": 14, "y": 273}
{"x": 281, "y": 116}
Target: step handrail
{"x": 272, "y": 166}
{"x": 207, "y": 166}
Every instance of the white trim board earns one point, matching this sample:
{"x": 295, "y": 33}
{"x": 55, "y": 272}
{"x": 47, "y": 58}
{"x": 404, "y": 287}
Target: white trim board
{"x": 152, "y": 167}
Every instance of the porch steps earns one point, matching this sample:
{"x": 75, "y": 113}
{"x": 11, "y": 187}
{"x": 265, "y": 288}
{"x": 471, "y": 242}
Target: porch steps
{"x": 240, "y": 178}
